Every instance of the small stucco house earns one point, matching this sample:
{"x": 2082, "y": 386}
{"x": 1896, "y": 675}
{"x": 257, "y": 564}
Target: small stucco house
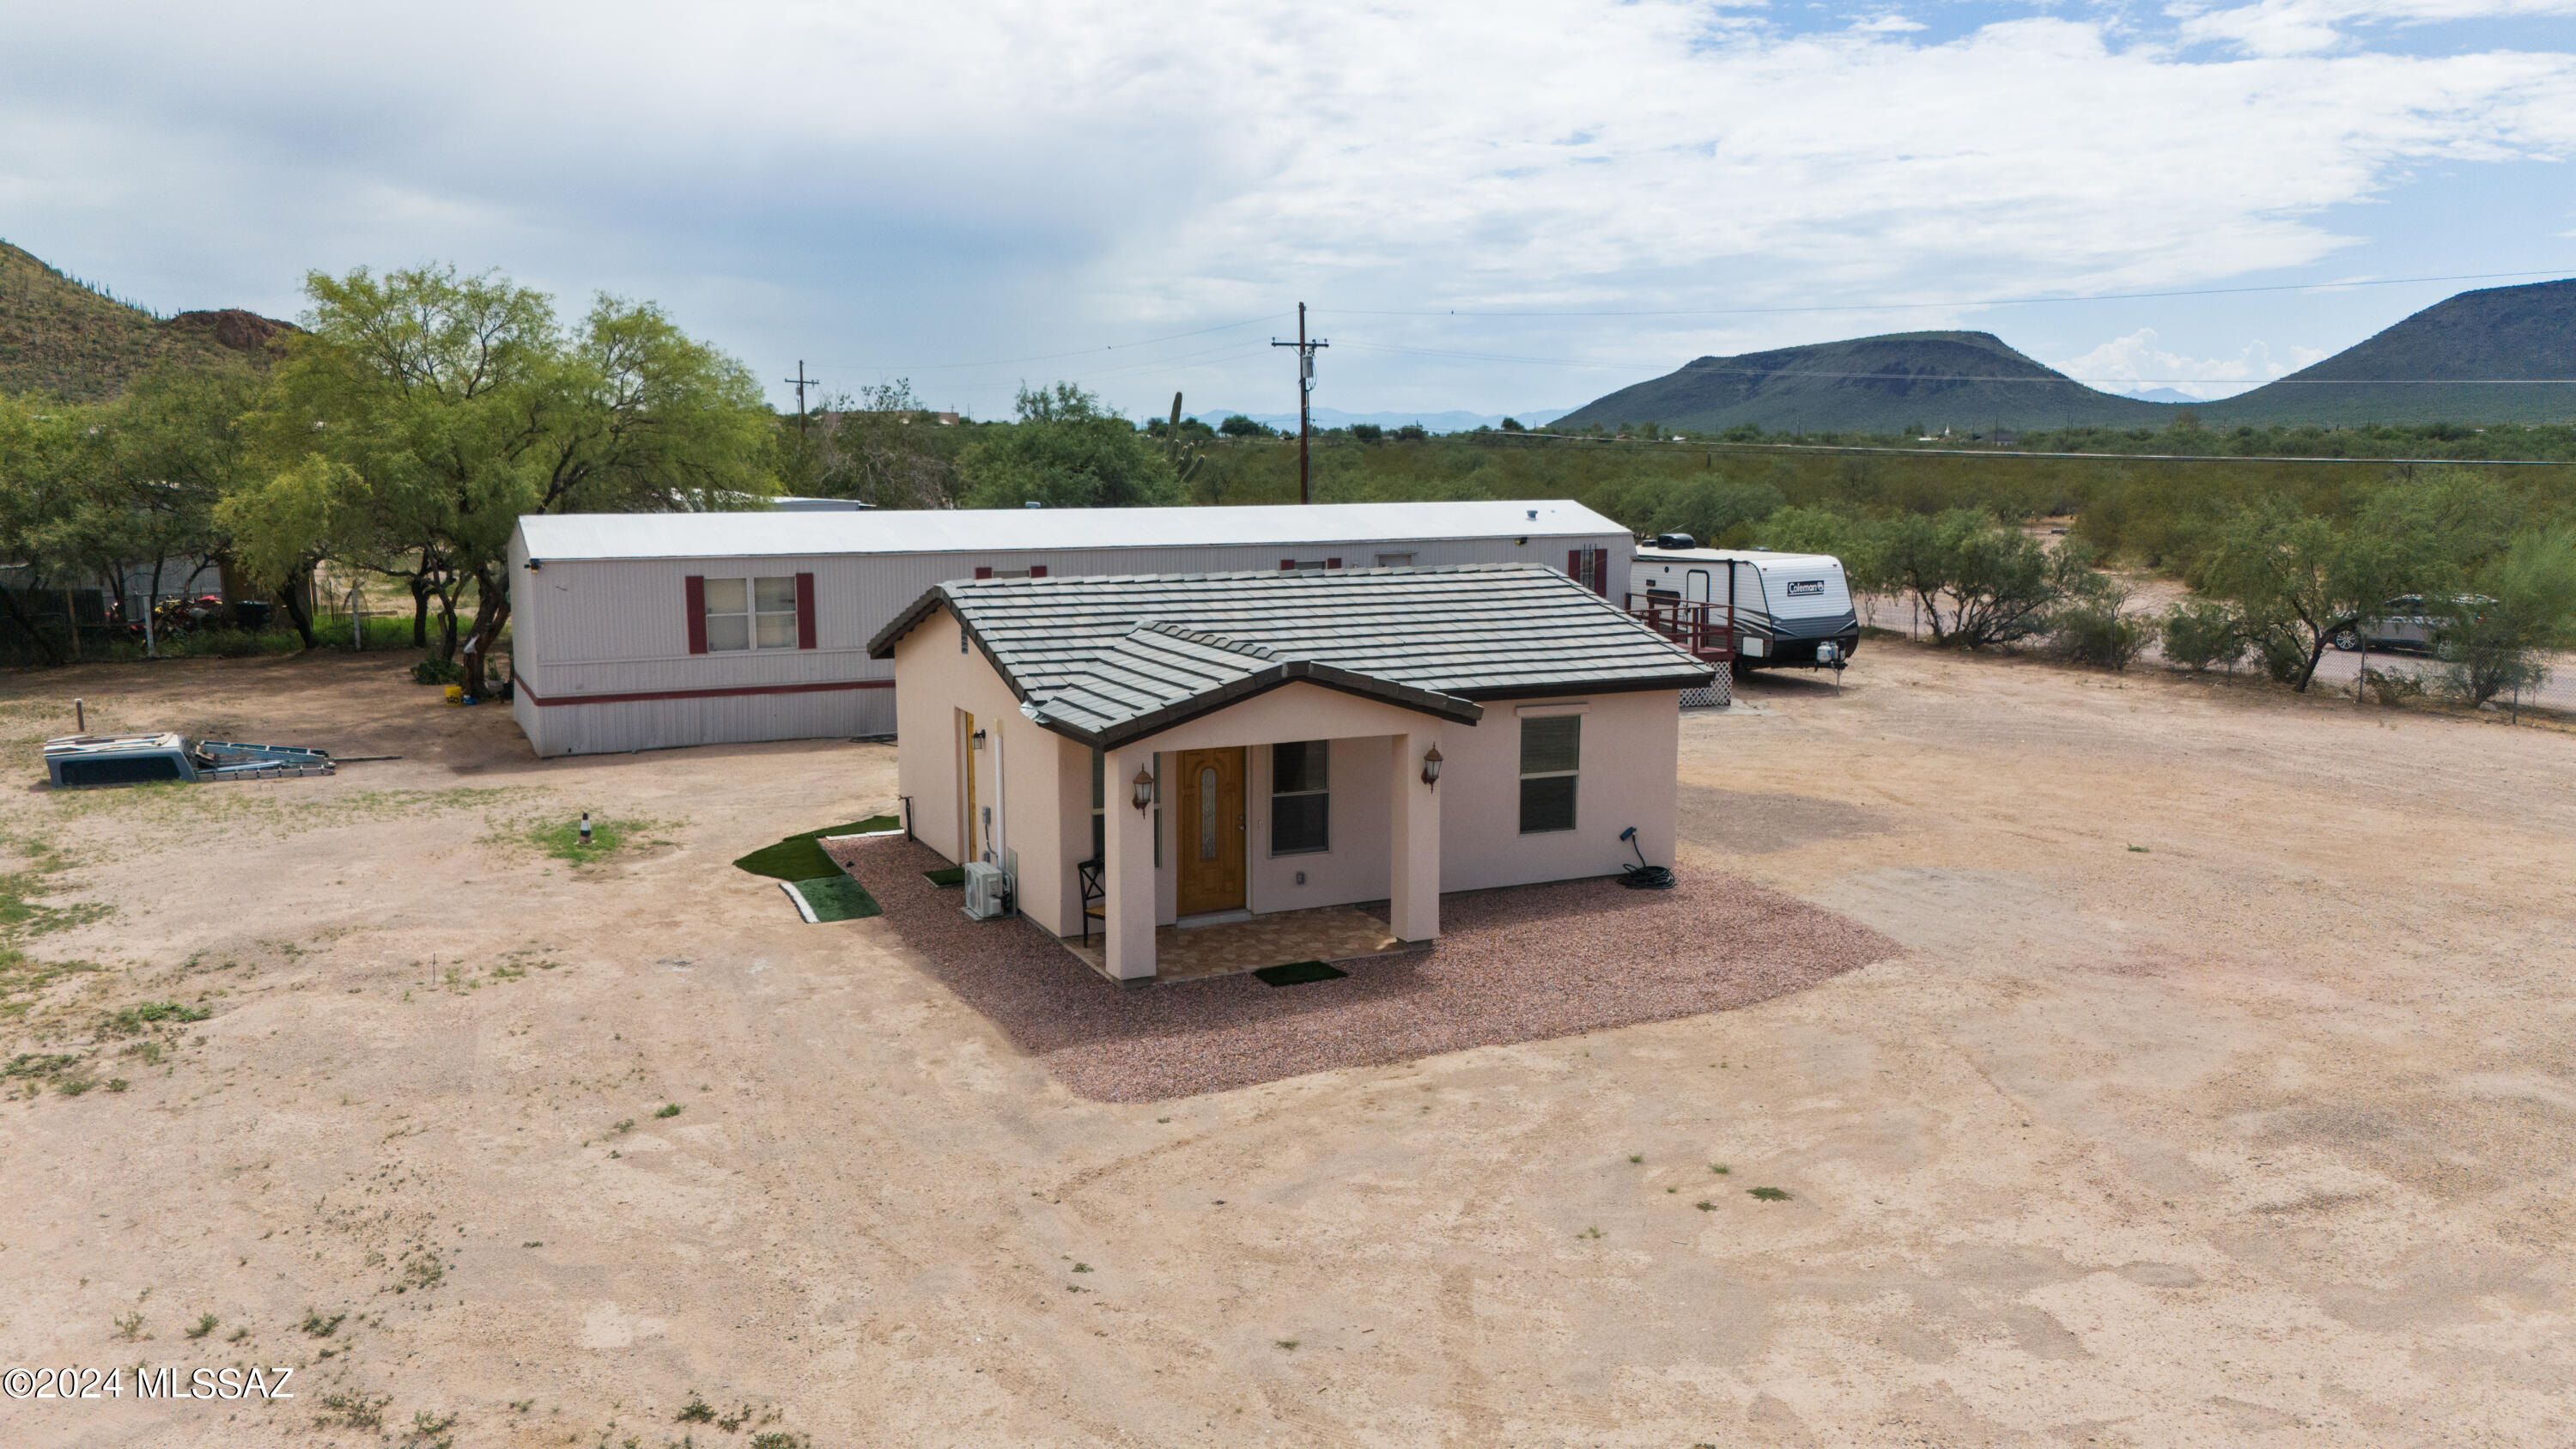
{"x": 1168, "y": 749}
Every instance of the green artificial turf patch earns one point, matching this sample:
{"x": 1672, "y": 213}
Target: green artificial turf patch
{"x": 837, "y": 898}
{"x": 954, "y": 875}
{"x": 801, "y": 857}
{"x": 1298, "y": 973}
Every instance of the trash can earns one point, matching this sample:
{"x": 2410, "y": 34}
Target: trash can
{"x": 251, "y": 614}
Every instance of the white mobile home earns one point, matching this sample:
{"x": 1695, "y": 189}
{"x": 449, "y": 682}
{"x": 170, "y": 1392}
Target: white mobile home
{"x": 1776, "y": 607}
{"x": 646, "y": 631}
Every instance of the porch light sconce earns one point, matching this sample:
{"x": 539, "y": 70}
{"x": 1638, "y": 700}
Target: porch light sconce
{"x": 1144, "y": 791}
{"x": 975, "y": 741}
{"x": 1431, "y": 768}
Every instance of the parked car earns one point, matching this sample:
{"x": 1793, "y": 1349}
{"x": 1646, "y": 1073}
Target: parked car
{"x": 2407, "y": 622}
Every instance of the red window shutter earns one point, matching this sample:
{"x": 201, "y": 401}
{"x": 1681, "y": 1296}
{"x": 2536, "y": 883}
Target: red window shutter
{"x": 697, "y": 595}
{"x": 1287, "y": 566}
{"x": 1601, "y": 572}
{"x": 983, "y": 573}
{"x": 1332, "y": 563}
{"x": 1037, "y": 571}
{"x": 1574, "y": 565}
{"x": 804, "y": 611}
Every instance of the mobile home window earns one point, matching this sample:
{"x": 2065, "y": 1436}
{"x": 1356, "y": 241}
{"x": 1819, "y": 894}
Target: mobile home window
{"x": 1300, "y": 801}
{"x": 751, "y": 614}
{"x": 1551, "y": 754}
{"x": 1395, "y": 560}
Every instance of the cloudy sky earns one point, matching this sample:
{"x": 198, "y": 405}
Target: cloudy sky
{"x": 1489, "y": 205}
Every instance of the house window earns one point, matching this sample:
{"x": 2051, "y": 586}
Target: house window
{"x": 1551, "y": 753}
{"x": 1395, "y": 560}
{"x": 751, "y": 614}
{"x": 1099, "y": 800}
{"x": 1300, "y": 803}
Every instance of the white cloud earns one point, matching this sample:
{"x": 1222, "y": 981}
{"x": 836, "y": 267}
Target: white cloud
{"x": 2136, "y": 364}
{"x": 2303, "y": 27}
{"x": 985, "y": 179}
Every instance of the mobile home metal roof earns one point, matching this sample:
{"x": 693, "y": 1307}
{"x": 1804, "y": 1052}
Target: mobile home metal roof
{"x": 603, "y": 536}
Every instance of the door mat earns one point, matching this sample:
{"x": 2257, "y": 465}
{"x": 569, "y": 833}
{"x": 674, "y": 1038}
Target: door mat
{"x": 954, "y": 875}
{"x": 831, "y": 898}
{"x": 801, "y": 857}
{"x": 1298, "y": 973}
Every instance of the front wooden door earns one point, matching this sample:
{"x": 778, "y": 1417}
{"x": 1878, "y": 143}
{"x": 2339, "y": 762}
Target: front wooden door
{"x": 1210, "y": 831}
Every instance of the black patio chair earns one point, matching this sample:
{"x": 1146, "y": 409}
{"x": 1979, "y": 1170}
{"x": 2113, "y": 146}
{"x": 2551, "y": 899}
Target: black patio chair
{"x": 1095, "y": 898}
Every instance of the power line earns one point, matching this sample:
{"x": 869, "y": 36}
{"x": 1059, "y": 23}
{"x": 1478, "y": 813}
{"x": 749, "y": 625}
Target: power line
{"x": 1979, "y": 302}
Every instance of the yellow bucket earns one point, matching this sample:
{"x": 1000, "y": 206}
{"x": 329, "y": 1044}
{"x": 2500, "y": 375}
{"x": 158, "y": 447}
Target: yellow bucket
{"x": 456, "y": 694}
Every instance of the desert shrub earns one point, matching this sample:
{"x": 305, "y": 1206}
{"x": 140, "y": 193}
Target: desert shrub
{"x": 2491, "y": 643}
{"x": 2098, "y": 633}
{"x": 437, "y": 671}
{"x": 2392, "y": 689}
{"x": 2198, "y": 633}
{"x": 1979, "y": 583}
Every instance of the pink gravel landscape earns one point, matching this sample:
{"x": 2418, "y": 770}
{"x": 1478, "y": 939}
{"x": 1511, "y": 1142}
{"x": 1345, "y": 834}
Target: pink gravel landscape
{"x": 1514, "y": 965}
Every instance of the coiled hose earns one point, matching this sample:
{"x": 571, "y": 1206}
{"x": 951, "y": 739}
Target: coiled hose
{"x": 1641, "y": 876}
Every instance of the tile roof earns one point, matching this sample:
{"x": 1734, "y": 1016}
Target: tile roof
{"x": 1111, "y": 659}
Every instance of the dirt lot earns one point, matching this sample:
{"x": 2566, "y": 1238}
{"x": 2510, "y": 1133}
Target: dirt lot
{"x": 2221, "y": 1095}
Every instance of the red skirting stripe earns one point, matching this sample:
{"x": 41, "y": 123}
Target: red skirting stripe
{"x": 544, "y": 703}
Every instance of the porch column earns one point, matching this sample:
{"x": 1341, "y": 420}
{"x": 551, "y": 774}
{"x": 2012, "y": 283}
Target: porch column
{"x": 1413, "y": 843}
{"x": 1128, "y": 934}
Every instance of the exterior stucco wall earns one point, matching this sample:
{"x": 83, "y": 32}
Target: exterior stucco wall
{"x": 1631, "y": 749}
{"x": 926, "y": 762}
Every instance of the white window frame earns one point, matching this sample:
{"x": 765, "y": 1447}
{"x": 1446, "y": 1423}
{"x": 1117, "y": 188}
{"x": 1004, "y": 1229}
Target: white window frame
{"x": 752, "y": 615}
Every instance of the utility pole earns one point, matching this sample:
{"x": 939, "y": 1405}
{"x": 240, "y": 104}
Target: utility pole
{"x": 802, "y": 382}
{"x": 1305, "y": 398}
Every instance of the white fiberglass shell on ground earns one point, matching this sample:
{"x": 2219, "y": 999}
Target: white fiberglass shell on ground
{"x": 1783, "y": 604}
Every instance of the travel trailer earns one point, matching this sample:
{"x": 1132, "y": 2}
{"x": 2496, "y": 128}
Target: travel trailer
{"x": 1778, "y": 608}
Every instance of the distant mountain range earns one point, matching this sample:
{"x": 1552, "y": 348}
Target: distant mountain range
{"x": 72, "y": 340}
{"x": 1451, "y": 421}
{"x": 2503, "y": 354}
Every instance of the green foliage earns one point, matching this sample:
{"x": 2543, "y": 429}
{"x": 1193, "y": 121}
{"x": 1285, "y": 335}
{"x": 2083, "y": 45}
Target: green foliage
{"x": 2099, "y": 632}
{"x": 2524, "y": 602}
{"x": 1239, "y": 426}
{"x": 881, "y": 447}
{"x": 1979, "y": 583}
{"x": 428, "y": 410}
{"x": 2297, "y": 579}
{"x": 1066, "y": 453}
{"x": 434, "y": 670}
{"x": 563, "y": 841}
{"x": 2198, "y": 633}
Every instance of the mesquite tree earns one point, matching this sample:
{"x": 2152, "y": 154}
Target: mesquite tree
{"x": 446, "y": 406}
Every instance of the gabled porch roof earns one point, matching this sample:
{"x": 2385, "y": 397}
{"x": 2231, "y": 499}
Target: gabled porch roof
{"x": 1158, "y": 675}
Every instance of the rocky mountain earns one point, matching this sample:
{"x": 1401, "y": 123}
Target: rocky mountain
{"x": 1965, "y": 381}
{"x": 73, "y": 340}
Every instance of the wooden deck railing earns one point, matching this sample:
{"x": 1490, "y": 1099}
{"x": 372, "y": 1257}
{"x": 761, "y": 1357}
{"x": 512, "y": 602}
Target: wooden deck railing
{"x": 1705, "y": 628}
